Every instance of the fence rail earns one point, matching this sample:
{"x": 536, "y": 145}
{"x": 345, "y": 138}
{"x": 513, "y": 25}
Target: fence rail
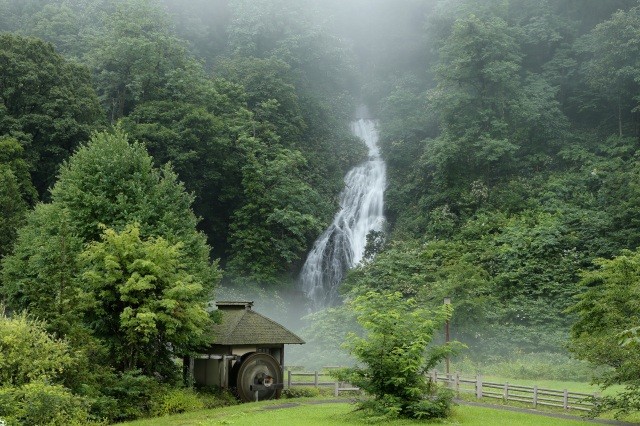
{"x": 533, "y": 395}
{"x": 317, "y": 382}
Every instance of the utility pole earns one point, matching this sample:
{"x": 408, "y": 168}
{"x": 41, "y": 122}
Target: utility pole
{"x": 447, "y": 301}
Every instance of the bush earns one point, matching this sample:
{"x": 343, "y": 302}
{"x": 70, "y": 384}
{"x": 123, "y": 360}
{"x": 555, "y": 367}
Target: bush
{"x": 395, "y": 358}
{"x": 215, "y": 397}
{"x": 28, "y": 352}
{"x": 434, "y": 406}
{"x": 301, "y": 392}
{"x": 130, "y": 396}
{"x": 176, "y": 401}
{"x": 40, "y": 404}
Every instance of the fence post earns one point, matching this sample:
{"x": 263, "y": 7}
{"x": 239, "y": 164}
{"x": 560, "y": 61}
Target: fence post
{"x": 315, "y": 379}
{"x": 457, "y": 384}
{"x": 435, "y": 376}
{"x": 565, "y": 400}
{"x": 335, "y": 389}
{"x": 479, "y": 386}
{"x": 288, "y": 379}
{"x": 505, "y": 393}
{"x": 535, "y": 396}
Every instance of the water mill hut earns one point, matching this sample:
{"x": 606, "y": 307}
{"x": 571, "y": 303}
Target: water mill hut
{"x": 247, "y": 355}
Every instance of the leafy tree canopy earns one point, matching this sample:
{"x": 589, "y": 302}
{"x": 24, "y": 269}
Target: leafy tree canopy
{"x": 46, "y": 102}
{"x": 606, "y": 309}
{"x": 147, "y": 307}
{"x": 108, "y": 182}
{"x": 394, "y": 356}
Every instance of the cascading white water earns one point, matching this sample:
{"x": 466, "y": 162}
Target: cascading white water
{"x": 342, "y": 244}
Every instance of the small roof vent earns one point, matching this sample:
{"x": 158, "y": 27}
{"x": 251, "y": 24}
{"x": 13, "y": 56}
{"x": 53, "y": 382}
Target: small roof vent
{"x": 234, "y": 305}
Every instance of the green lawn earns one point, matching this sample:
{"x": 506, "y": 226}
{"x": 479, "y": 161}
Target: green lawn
{"x": 308, "y": 413}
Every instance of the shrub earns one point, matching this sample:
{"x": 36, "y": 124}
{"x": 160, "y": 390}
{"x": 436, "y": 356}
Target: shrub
{"x": 130, "y": 396}
{"x": 39, "y": 404}
{"x": 301, "y": 392}
{"x": 176, "y": 401}
{"x": 28, "y": 352}
{"x": 395, "y": 359}
{"x": 215, "y": 397}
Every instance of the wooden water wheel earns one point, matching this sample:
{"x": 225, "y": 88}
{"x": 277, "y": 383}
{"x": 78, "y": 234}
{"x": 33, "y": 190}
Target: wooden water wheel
{"x": 257, "y": 372}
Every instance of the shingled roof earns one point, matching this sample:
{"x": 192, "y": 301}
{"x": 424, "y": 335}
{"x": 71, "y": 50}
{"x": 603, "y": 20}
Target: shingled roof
{"x": 243, "y": 326}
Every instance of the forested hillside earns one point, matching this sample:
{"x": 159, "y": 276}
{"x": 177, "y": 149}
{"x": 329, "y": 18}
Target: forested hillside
{"x": 153, "y": 149}
{"x": 512, "y": 163}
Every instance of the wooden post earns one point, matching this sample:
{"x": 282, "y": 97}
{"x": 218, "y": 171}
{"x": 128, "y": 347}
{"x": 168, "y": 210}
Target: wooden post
{"x": 535, "y": 396}
{"x": 457, "y": 384}
{"x": 335, "y": 389}
{"x": 188, "y": 364}
{"x": 224, "y": 380}
{"x": 447, "y": 301}
{"x": 315, "y": 379}
{"x": 565, "y": 400}
{"x": 256, "y": 396}
{"x": 288, "y": 378}
{"x": 479, "y": 386}
{"x": 448, "y": 380}
{"x": 505, "y": 393}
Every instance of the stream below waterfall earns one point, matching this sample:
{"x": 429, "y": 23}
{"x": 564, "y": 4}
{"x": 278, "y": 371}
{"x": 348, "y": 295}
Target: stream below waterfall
{"x": 341, "y": 246}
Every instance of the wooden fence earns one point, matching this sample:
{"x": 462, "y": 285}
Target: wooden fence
{"x": 318, "y": 379}
{"x": 533, "y": 395}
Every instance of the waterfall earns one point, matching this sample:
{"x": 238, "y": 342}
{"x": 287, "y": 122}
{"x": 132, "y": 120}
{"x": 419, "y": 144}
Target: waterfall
{"x": 342, "y": 244}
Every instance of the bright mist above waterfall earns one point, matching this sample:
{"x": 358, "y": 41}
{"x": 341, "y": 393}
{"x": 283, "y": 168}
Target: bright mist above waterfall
{"x": 342, "y": 244}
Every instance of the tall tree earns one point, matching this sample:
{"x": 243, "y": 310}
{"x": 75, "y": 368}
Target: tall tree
{"x": 612, "y": 69}
{"x": 136, "y": 58}
{"x": 46, "y": 102}
{"x": 606, "y": 309}
{"x": 108, "y": 182}
{"x": 148, "y": 309}
{"x": 17, "y": 193}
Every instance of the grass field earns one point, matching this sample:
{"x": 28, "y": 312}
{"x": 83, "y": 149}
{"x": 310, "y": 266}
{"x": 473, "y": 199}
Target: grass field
{"x": 320, "y": 412}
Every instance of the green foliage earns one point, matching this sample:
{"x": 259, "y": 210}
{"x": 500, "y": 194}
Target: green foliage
{"x": 12, "y": 207}
{"x": 46, "y": 102}
{"x": 137, "y": 59}
{"x": 395, "y": 357}
{"x": 112, "y": 183}
{"x": 147, "y": 307}
{"x": 40, "y": 403}
{"x": 16, "y": 191}
{"x": 492, "y": 119}
{"x": 175, "y": 401}
{"x": 41, "y": 274}
{"x": 28, "y": 353}
{"x": 606, "y": 309}
{"x": 33, "y": 364}
{"x": 301, "y": 392}
{"x": 277, "y": 222}
{"x": 129, "y": 395}
{"x": 215, "y": 397}
{"x": 612, "y": 69}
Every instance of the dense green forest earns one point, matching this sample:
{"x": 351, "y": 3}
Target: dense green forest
{"x": 152, "y": 150}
